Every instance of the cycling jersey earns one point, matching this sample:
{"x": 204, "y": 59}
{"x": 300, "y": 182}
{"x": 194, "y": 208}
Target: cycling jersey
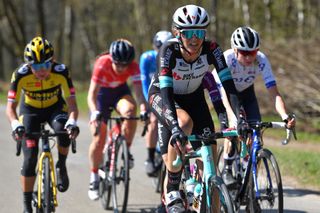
{"x": 178, "y": 77}
{"x": 41, "y": 93}
{"x": 148, "y": 66}
{"x": 105, "y": 76}
{"x": 244, "y": 76}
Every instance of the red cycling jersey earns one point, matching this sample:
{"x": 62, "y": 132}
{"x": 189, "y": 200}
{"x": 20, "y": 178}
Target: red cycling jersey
{"x": 105, "y": 76}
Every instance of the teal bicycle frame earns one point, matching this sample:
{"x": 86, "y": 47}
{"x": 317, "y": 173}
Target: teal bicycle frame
{"x": 205, "y": 153}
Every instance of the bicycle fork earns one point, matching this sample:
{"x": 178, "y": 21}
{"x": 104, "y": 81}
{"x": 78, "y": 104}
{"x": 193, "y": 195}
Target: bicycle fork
{"x": 52, "y": 177}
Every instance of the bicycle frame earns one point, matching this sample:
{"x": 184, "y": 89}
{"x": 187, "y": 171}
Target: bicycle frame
{"x": 206, "y": 154}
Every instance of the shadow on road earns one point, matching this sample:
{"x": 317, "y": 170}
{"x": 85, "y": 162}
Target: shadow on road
{"x": 299, "y": 192}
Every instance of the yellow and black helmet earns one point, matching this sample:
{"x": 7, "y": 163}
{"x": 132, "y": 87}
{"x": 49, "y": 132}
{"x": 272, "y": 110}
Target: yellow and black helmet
{"x": 38, "y": 51}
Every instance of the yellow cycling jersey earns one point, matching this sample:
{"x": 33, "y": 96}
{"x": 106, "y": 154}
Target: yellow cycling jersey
{"x": 41, "y": 93}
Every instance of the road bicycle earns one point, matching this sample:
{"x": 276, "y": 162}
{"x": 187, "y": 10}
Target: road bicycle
{"x": 257, "y": 174}
{"x": 114, "y": 172}
{"x": 45, "y": 196}
{"x": 210, "y": 181}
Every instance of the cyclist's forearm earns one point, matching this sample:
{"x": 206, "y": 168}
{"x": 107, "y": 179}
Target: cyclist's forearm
{"x": 11, "y": 111}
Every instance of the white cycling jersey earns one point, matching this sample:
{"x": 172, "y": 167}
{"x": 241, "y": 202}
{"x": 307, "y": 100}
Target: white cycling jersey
{"x": 244, "y": 76}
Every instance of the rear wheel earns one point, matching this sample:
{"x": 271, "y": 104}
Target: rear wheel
{"x": 120, "y": 185}
{"x": 104, "y": 184}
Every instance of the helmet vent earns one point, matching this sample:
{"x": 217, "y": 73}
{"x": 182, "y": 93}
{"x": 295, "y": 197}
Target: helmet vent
{"x": 181, "y": 20}
{"x": 205, "y": 19}
{"x": 189, "y": 19}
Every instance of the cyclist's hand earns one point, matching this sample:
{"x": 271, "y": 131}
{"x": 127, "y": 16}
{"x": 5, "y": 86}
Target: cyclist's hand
{"x": 290, "y": 121}
{"x": 18, "y": 130}
{"x": 72, "y": 128}
{"x": 95, "y": 117}
{"x": 178, "y": 140}
{"x": 144, "y": 116}
{"x": 242, "y": 128}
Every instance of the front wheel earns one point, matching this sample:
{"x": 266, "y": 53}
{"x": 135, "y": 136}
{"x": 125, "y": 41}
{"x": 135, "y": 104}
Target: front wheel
{"x": 217, "y": 191}
{"x": 120, "y": 183}
{"x": 269, "y": 185}
{"x": 46, "y": 191}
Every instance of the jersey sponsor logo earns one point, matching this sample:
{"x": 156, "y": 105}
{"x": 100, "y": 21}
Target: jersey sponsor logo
{"x": 192, "y": 76}
{"x": 218, "y": 54}
{"x": 176, "y": 76}
{"x": 60, "y": 67}
{"x": 43, "y": 95}
{"x": 164, "y": 61}
{"x": 11, "y": 94}
{"x": 23, "y": 70}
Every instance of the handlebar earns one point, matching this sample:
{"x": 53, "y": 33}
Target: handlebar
{"x": 277, "y": 125}
{"x": 46, "y": 134}
{"x": 120, "y": 119}
{"x": 206, "y": 139}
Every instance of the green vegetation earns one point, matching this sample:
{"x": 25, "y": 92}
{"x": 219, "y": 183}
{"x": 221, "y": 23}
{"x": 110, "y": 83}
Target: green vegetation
{"x": 303, "y": 165}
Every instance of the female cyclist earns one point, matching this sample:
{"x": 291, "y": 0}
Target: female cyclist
{"x": 176, "y": 94}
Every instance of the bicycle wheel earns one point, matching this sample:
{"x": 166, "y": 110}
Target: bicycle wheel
{"x": 269, "y": 184}
{"x": 217, "y": 187}
{"x": 120, "y": 184}
{"x": 104, "y": 184}
{"x": 46, "y": 193}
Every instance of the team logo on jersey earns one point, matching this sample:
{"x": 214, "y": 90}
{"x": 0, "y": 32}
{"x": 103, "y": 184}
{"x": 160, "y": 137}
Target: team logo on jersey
{"x": 23, "y": 70}
{"x": 218, "y": 54}
{"x": 176, "y": 76}
{"x": 60, "y": 67}
{"x": 164, "y": 61}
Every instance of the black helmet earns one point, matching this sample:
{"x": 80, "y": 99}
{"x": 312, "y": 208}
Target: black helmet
{"x": 122, "y": 51}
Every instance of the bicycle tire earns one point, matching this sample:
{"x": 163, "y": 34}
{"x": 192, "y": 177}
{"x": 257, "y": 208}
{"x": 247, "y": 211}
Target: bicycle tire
{"x": 47, "y": 186}
{"x": 104, "y": 185}
{"x": 270, "y": 198}
{"x": 120, "y": 183}
{"x": 225, "y": 201}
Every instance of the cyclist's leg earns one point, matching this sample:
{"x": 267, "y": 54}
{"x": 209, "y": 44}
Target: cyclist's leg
{"x": 30, "y": 156}
{"x": 151, "y": 143}
{"x": 57, "y": 122}
{"x": 173, "y": 178}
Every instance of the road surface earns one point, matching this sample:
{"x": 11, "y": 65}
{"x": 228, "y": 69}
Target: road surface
{"x": 142, "y": 197}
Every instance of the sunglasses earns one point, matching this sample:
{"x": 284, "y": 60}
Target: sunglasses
{"x": 38, "y": 67}
{"x": 188, "y": 34}
{"x": 246, "y": 53}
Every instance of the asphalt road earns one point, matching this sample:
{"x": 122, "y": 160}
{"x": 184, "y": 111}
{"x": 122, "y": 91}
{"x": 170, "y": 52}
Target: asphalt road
{"x": 142, "y": 196}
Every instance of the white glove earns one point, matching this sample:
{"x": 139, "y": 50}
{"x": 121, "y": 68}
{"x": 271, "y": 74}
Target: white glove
{"x": 95, "y": 115}
{"x": 15, "y": 124}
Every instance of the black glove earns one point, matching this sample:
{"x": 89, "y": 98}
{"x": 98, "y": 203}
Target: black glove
{"x": 73, "y": 130}
{"x": 242, "y": 128}
{"x": 178, "y": 135}
{"x": 18, "y": 133}
{"x": 144, "y": 116}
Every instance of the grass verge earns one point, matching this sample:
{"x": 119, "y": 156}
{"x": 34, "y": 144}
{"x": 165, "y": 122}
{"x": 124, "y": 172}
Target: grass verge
{"x": 303, "y": 165}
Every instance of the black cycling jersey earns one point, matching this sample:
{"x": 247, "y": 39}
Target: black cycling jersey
{"x": 176, "y": 76}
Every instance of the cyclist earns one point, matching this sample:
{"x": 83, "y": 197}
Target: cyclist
{"x": 246, "y": 62}
{"x": 40, "y": 82}
{"x": 176, "y": 93}
{"x": 148, "y": 66}
{"x": 108, "y": 88}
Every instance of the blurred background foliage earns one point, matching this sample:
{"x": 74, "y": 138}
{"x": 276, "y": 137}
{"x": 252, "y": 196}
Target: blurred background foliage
{"x": 79, "y": 30}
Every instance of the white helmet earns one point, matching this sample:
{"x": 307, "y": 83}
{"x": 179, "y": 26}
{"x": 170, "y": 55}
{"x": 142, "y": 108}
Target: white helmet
{"x": 245, "y": 38}
{"x": 190, "y": 16}
{"x": 161, "y": 37}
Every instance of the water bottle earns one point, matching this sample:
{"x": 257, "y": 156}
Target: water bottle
{"x": 243, "y": 152}
{"x": 197, "y": 197}
{"x": 190, "y": 185}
